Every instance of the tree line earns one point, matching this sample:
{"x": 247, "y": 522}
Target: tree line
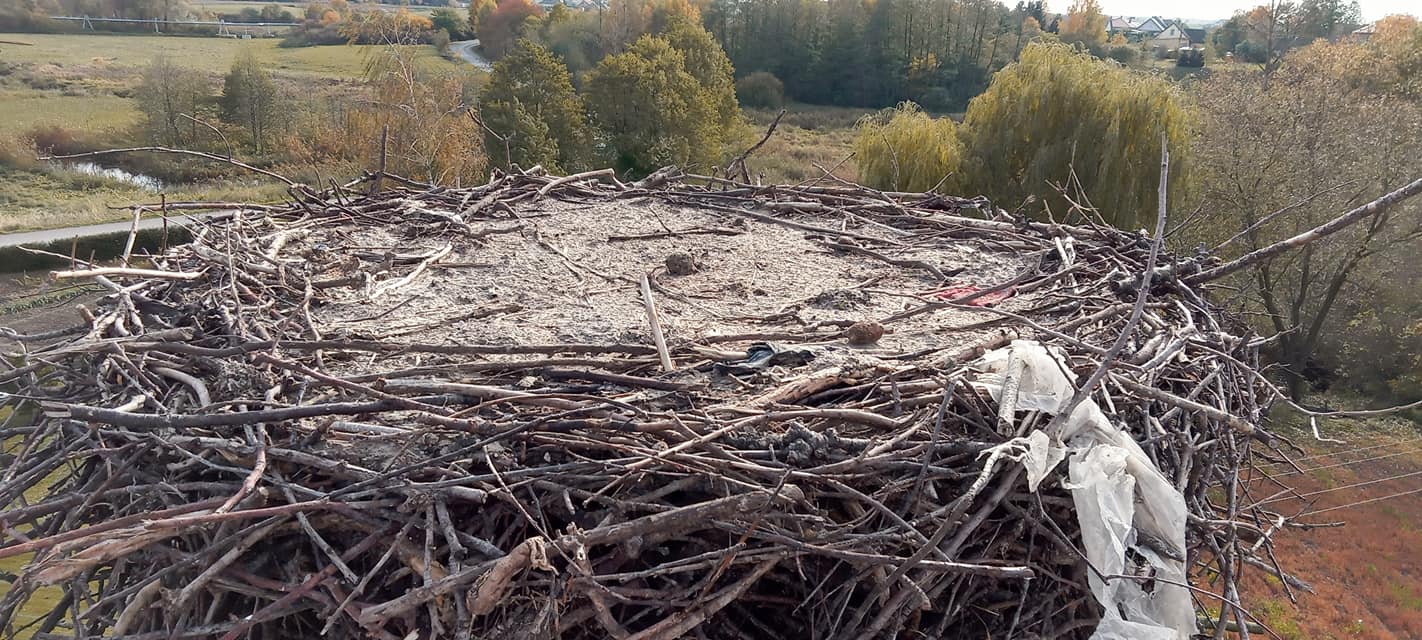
{"x": 938, "y": 53}
{"x": 408, "y": 115}
{"x": 1265, "y": 33}
{"x": 1257, "y": 155}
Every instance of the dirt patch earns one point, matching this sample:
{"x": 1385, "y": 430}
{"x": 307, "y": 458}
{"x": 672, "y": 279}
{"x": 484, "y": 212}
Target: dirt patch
{"x": 565, "y": 272}
{"x": 31, "y": 303}
{"x": 1366, "y": 575}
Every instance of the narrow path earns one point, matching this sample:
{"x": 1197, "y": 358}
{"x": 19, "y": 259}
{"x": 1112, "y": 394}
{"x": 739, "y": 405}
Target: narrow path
{"x": 50, "y": 235}
{"x": 466, "y": 50}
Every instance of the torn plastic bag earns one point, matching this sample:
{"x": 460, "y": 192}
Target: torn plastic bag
{"x": 763, "y": 355}
{"x": 1132, "y": 518}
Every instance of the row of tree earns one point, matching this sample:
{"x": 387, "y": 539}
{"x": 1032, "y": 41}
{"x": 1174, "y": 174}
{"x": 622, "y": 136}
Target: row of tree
{"x": 338, "y": 22}
{"x": 1266, "y": 32}
{"x": 939, "y": 53}
{"x": 414, "y": 118}
{"x": 179, "y": 105}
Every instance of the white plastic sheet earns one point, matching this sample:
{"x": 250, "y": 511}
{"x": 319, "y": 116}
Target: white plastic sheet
{"x": 1122, "y": 501}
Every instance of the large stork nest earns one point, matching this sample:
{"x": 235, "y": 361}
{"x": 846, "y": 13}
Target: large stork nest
{"x": 569, "y": 407}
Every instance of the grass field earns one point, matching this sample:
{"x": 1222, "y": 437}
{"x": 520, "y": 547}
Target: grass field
{"x": 24, "y": 110}
{"x": 46, "y": 199}
{"x": 81, "y": 82}
{"x": 214, "y": 55}
{"x": 296, "y": 8}
{"x": 808, "y": 135}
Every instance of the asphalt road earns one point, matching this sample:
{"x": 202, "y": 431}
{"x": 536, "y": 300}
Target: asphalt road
{"x": 50, "y": 235}
{"x": 466, "y": 50}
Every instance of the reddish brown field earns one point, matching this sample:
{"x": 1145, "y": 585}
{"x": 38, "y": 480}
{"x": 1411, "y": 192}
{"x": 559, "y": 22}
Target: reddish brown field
{"x": 1366, "y": 575}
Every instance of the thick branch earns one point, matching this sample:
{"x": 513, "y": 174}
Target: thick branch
{"x": 1322, "y": 231}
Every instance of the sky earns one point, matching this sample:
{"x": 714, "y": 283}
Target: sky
{"x": 1212, "y": 9}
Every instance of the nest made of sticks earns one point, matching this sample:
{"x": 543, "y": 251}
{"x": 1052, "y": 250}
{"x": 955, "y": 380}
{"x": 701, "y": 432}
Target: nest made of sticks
{"x": 553, "y": 407}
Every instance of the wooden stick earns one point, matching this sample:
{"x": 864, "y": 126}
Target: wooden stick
{"x": 656, "y": 324}
{"x": 124, "y": 271}
{"x": 132, "y": 235}
{"x": 586, "y": 175}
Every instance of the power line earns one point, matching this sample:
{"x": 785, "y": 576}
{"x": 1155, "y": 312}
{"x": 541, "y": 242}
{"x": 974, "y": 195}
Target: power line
{"x": 1368, "y": 501}
{"x": 1338, "y": 453}
{"x": 1350, "y": 486}
{"x": 1346, "y": 463}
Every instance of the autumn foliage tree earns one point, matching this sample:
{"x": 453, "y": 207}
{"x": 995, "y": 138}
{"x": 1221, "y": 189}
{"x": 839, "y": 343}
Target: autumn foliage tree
{"x": 1284, "y": 153}
{"x": 1084, "y": 24}
{"x": 531, "y": 114}
{"x": 1391, "y": 60}
{"x": 504, "y": 25}
{"x": 625, "y": 21}
{"x": 479, "y": 11}
{"x": 416, "y": 122}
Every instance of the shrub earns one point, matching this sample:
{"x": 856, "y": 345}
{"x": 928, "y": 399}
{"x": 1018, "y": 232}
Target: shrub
{"x": 906, "y": 149}
{"x": 16, "y": 151}
{"x": 58, "y": 140}
{"x": 1124, "y": 53}
{"x": 762, "y": 90}
{"x": 1190, "y": 57}
{"x": 707, "y": 62}
{"x": 440, "y": 40}
{"x": 455, "y": 23}
{"x": 22, "y": 20}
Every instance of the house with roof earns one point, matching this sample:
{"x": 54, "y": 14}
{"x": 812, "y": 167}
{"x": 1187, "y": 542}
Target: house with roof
{"x": 1177, "y": 36}
{"x": 1119, "y": 24}
{"x": 1135, "y": 28}
{"x": 1151, "y": 27}
{"x": 1171, "y": 38}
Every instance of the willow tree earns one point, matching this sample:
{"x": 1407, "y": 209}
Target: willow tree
{"x": 1063, "y": 126}
{"x": 531, "y": 114}
{"x": 908, "y": 150}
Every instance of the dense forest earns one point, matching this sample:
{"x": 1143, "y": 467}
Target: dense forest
{"x": 938, "y": 54}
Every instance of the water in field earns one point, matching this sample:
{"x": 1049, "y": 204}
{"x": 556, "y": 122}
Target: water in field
{"x": 136, "y": 179}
